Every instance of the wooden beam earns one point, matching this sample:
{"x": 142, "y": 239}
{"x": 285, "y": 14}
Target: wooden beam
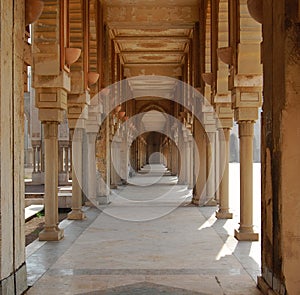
{"x": 153, "y": 38}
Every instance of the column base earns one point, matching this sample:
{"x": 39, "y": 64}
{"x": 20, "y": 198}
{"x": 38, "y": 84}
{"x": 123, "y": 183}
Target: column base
{"x": 38, "y": 178}
{"x": 224, "y": 215}
{"x": 264, "y": 287}
{"x": 210, "y": 203}
{"x": 196, "y": 202}
{"x": 51, "y": 234}
{"x": 89, "y": 204}
{"x": 76, "y": 214}
{"x": 246, "y": 236}
{"x": 103, "y": 200}
{"x": 63, "y": 178}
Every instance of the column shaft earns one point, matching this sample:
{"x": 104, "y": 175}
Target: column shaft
{"x": 92, "y": 166}
{"x": 66, "y": 168}
{"x": 191, "y": 163}
{"x": 245, "y": 231}
{"x": 76, "y": 213}
{"x": 51, "y": 230}
{"x": 223, "y": 212}
{"x": 34, "y": 159}
{"x": 210, "y": 187}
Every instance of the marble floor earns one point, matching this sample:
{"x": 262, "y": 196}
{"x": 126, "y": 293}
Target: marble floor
{"x": 150, "y": 240}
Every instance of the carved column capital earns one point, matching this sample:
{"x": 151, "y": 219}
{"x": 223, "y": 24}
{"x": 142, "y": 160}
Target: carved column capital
{"x": 246, "y": 128}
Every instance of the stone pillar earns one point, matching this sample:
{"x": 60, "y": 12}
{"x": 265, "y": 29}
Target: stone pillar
{"x": 181, "y": 179}
{"x": 51, "y": 231}
{"x": 187, "y": 161}
{"x": 209, "y": 122}
{"x": 60, "y": 157}
{"x": 92, "y": 130}
{"x": 225, "y": 123}
{"x": 245, "y": 231}
{"x": 200, "y": 185}
{"x": 185, "y": 158}
{"x": 246, "y": 101}
{"x": 12, "y": 237}
{"x": 223, "y": 212}
{"x": 51, "y": 81}
{"x": 280, "y": 149}
{"x": 38, "y": 173}
{"x": 210, "y": 169}
{"x": 51, "y": 117}
{"x": 34, "y": 159}
{"x": 76, "y": 213}
{"x": 191, "y": 161}
{"x": 63, "y": 174}
{"x": 92, "y": 166}
{"x": 115, "y": 160}
{"x": 66, "y": 159}
{"x": 217, "y": 158}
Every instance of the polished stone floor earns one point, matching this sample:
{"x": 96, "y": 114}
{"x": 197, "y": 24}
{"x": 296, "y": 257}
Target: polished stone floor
{"x": 149, "y": 240}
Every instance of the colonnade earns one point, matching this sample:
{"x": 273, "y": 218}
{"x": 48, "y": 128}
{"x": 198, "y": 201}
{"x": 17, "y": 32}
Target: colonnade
{"x": 75, "y": 54}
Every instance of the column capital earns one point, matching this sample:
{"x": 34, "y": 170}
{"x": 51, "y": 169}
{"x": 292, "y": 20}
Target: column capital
{"x": 246, "y": 128}
{"x": 224, "y": 134}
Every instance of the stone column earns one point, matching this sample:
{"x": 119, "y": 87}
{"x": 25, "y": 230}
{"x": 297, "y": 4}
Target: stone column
{"x": 76, "y": 213}
{"x": 60, "y": 157}
{"x": 12, "y": 236}
{"x": 245, "y": 231}
{"x": 51, "y": 231}
{"x": 246, "y": 101}
{"x": 224, "y": 123}
{"x": 63, "y": 174}
{"x": 200, "y": 185}
{"x": 115, "y": 154}
{"x": 92, "y": 166}
{"x": 210, "y": 169}
{"x": 92, "y": 130}
{"x": 209, "y": 122}
{"x": 181, "y": 165}
{"x": 223, "y": 212}
{"x": 174, "y": 163}
{"x": 34, "y": 159}
{"x": 191, "y": 161}
{"x": 66, "y": 159}
{"x": 188, "y": 164}
{"x": 185, "y": 158}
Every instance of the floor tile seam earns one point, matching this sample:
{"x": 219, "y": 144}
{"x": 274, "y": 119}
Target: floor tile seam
{"x": 38, "y": 247}
{"x": 45, "y": 270}
{"x": 141, "y": 272}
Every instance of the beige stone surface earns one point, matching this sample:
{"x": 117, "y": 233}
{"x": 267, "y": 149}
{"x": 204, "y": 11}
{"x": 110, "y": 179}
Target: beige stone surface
{"x": 187, "y": 248}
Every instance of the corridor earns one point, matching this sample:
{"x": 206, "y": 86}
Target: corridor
{"x": 149, "y": 240}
